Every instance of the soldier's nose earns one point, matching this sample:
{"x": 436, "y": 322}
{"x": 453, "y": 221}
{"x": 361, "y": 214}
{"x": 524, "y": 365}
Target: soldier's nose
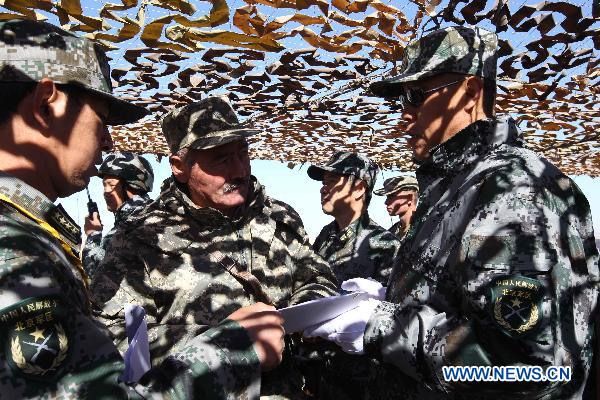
{"x": 107, "y": 143}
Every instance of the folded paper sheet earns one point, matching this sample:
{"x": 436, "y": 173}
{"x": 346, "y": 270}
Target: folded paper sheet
{"x": 299, "y": 317}
{"x": 137, "y": 356}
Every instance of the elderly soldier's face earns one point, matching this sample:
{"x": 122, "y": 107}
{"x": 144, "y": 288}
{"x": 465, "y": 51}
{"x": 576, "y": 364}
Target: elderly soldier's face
{"x": 400, "y": 202}
{"x": 218, "y": 177}
{"x": 336, "y": 192}
{"x": 438, "y": 117}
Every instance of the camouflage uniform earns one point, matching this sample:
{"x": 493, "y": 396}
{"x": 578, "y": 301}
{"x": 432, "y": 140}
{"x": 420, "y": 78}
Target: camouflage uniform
{"x": 93, "y": 250}
{"x": 499, "y": 268}
{"x": 397, "y": 229}
{"x": 519, "y": 229}
{"x": 176, "y": 258}
{"x": 51, "y": 345}
{"x": 394, "y": 185}
{"x": 363, "y": 249}
{"x": 137, "y": 176}
{"x": 43, "y": 301}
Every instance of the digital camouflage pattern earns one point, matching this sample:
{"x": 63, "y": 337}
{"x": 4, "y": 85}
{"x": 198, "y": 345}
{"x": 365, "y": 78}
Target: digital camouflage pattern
{"x": 456, "y": 49}
{"x": 347, "y": 163}
{"x": 396, "y": 184}
{"x": 32, "y": 50}
{"x": 167, "y": 260}
{"x": 204, "y": 124}
{"x": 362, "y": 250}
{"x": 92, "y": 253}
{"x": 135, "y": 170}
{"x": 499, "y": 268}
{"x": 398, "y": 230}
{"x": 51, "y": 345}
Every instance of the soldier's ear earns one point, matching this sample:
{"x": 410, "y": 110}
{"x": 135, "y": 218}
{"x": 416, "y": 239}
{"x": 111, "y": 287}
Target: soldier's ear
{"x": 47, "y": 104}
{"x": 474, "y": 93}
{"x": 359, "y": 189}
{"x": 180, "y": 168}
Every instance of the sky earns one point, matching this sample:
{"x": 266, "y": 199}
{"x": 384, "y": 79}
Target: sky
{"x": 294, "y": 187}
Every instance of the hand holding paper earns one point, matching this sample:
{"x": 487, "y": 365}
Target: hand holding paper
{"x": 346, "y": 330}
{"x": 340, "y": 319}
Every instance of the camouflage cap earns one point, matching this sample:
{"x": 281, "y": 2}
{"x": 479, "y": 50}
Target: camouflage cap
{"x": 347, "y": 163}
{"x": 32, "y": 50}
{"x": 205, "y": 124}
{"x": 396, "y": 184}
{"x": 135, "y": 170}
{"x": 462, "y": 50}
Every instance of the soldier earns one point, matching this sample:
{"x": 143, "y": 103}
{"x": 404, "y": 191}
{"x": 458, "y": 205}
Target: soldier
{"x": 52, "y": 128}
{"x": 127, "y": 179}
{"x": 500, "y": 267}
{"x": 213, "y": 241}
{"x": 355, "y": 247}
{"x": 401, "y": 194}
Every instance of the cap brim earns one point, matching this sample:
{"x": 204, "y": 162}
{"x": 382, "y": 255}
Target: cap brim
{"x": 316, "y": 172}
{"x": 222, "y": 137}
{"x": 120, "y": 112}
{"x": 384, "y": 192}
{"x": 391, "y": 87}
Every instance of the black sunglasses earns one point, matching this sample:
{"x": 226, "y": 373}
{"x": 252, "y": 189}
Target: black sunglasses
{"x": 416, "y": 96}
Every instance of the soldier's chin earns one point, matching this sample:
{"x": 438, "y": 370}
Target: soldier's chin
{"x": 74, "y": 183}
{"x": 234, "y": 198}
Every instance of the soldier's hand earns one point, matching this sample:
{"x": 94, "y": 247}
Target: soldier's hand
{"x": 264, "y": 325}
{"x": 92, "y": 224}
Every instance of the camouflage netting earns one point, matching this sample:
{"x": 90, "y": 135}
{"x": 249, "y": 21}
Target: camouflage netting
{"x": 300, "y": 68}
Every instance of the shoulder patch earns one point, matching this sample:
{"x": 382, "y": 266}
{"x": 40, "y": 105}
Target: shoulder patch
{"x": 34, "y": 340}
{"x": 516, "y": 304}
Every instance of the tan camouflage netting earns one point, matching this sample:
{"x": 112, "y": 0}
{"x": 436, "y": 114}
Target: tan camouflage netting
{"x": 300, "y": 68}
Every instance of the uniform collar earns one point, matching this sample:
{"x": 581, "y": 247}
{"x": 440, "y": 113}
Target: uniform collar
{"x": 174, "y": 195}
{"x": 352, "y": 230}
{"x": 131, "y": 205}
{"x": 41, "y": 207}
{"x": 474, "y": 141}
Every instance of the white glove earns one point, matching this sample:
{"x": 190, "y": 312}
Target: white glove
{"x": 347, "y": 329}
{"x": 375, "y": 289}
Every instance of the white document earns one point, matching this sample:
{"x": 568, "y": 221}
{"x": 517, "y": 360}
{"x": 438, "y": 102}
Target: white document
{"x": 137, "y": 356}
{"x": 301, "y": 316}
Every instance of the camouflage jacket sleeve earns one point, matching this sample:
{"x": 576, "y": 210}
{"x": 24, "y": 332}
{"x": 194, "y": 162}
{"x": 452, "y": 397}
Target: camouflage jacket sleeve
{"x": 518, "y": 289}
{"x": 123, "y": 278}
{"x": 321, "y": 237}
{"x": 43, "y": 307}
{"x": 92, "y": 253}
{"x": 219, "y": 364}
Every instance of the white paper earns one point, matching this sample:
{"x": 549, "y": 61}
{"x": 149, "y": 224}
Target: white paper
{"x": 301, "y": 316}
{"x": 137, "y": 356}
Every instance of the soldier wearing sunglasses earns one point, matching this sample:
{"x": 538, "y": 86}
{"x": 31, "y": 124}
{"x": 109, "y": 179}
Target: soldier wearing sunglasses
{"x": 500, "y": 267}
